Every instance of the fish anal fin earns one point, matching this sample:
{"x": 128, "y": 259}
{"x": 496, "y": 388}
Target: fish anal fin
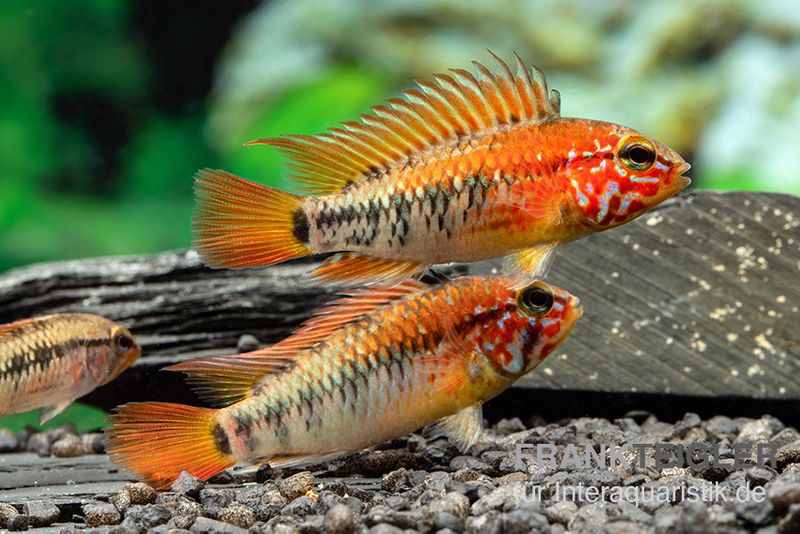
{"x": 356, "y": 269}
{"x": 48, "y": 412}
{"x": 295, "y": 460}
{"x": 530, "y": 263}
{"x": 462, "y": 428}
{"x": 434, "y": 115}
{"x": 224, "y": 380}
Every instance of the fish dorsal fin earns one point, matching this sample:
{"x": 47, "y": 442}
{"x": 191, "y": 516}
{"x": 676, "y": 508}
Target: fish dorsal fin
{"x": 223, "y": 380}
{"x": 350, "y": 307}
{"x": 433, "y": 115}
{"x": 462, "y": 428}
{"x": 22, "y": 323}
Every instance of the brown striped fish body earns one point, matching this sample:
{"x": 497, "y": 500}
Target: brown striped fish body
{"x": 48, "y": 362}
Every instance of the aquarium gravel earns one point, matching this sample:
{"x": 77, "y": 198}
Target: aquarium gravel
{"x": 426, "y": 485}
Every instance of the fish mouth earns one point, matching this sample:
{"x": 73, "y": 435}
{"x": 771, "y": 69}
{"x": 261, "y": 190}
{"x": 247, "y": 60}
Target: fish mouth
{"x": 677, "y": 173}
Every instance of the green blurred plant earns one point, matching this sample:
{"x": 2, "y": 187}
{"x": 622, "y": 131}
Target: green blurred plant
{"x": 85, "y": 418}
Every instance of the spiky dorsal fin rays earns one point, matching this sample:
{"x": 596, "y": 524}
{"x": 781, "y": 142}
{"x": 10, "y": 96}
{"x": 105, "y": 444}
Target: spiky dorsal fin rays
{"x": 224, "y": 380}
{"x": 435, "y": 115}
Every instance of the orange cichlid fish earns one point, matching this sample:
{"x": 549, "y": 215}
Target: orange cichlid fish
{"x": 372, "y": 366}
{"x": 48, "y": 362}
{"x": 471, "y": 167}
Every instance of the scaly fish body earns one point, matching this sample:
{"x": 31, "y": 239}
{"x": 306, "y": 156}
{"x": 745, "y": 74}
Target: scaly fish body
{"x": 417, "y": 355}
{"x": 50, "y": 361}
{"x": 466, "y": 169}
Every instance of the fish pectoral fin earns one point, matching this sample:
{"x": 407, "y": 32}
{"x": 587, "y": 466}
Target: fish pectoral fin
{"x": 48, "y": 412}
{"x": 355, "y": 269}
{"x": 530, "y": 263}
{"x": 463, "y": 428}
{"x": 224, "y": 380}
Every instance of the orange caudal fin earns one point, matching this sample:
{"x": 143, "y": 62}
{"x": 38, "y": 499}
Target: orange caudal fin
{"x": 239, "y": 223}
{"x": 157, "y": 440}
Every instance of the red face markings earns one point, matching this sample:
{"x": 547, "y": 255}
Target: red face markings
{"x": 519, "y": 332}
{"x": 616, "y": 177}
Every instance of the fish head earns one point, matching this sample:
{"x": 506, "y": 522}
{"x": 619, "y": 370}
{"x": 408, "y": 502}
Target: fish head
{"x": 615, "y": 174}
{"x": 535, "y": 319}
{"x": 123, "y": 350}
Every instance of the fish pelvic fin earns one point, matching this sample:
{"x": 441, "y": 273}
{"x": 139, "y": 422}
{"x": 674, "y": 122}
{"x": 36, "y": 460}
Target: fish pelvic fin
{"x": 48, "y": 412}
{"x": 437, "y": 113}
{"x": 356, "y": 269}
{"x": 157, "y": 441}
{"x": 462, "y": 428}
{"x": 530, "y": 264}
{"x": 239, "y": 223}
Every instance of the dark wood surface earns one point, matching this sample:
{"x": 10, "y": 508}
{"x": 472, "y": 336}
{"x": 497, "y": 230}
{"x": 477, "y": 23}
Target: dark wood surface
{"x": 699, "y": 298}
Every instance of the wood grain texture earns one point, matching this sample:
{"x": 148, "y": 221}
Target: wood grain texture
{"x": 700, "y": 297}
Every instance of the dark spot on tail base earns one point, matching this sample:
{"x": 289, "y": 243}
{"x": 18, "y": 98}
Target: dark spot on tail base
{"x": 221, "y": 440}
{"x": 301, "y": 226}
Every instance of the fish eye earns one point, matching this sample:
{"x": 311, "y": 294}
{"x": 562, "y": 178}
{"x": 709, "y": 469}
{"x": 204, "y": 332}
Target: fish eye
{"x": 123, "y": 342}
{"x": 638, "y": 155}
{"x": 536, "y": 299}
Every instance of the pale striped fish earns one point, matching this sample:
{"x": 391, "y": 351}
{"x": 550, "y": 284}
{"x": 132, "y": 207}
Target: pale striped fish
{"x": 48, "y": 362}
{"x": 373, "y": 366}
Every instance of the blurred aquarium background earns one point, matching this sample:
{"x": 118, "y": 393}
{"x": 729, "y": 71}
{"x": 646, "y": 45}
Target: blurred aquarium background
{"x": 108, "y": 107}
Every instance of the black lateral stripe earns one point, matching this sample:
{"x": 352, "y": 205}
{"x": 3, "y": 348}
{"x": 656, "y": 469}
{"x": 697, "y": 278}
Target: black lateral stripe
{"x": 45, "y": 355}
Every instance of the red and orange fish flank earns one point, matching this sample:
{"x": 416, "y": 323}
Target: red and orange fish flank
{"x": 468, "y": 167}
{"x": 373, "y": 366}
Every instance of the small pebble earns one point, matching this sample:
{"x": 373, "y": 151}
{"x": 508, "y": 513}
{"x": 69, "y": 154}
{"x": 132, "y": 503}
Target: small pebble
{"x": 93, "y": 443}
{"x": 8, "y": 441}
{"x": 97, "y": 514}
{"x": 67, "y": 446}
{"x": 7, "y": 512}
{"x": 339, "y": 520}
{"x": 42, "y": 513}
{"x": 206, "y": 525}
{"x": 296, "y": 485}
{"x": 247, "y": 343}
{"x": 39, "y": 444}
{"x": 395, "y": 480}
{"x": 188, "y": 485}
{"x": 237, "y": 514}
{"x": 140, "y": 493}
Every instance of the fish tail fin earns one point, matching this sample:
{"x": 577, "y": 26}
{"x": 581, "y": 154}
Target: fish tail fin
{"x": 158, "y": 440}
{"x": 239, "y": 223}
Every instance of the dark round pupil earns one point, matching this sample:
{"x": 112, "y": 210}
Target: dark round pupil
{"x": 640, "y": 154}
{"x": 538, "y": 298}
{"x": 124, "y": 342}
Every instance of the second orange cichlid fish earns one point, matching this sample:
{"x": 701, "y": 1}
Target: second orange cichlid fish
{"x": 373, "y": 366}
{"x": 469, "y": 167}
{"x": 47, "y": 362}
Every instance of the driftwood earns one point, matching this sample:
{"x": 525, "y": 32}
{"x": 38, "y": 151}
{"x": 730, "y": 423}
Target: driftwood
{"x": 699, "y": 298}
